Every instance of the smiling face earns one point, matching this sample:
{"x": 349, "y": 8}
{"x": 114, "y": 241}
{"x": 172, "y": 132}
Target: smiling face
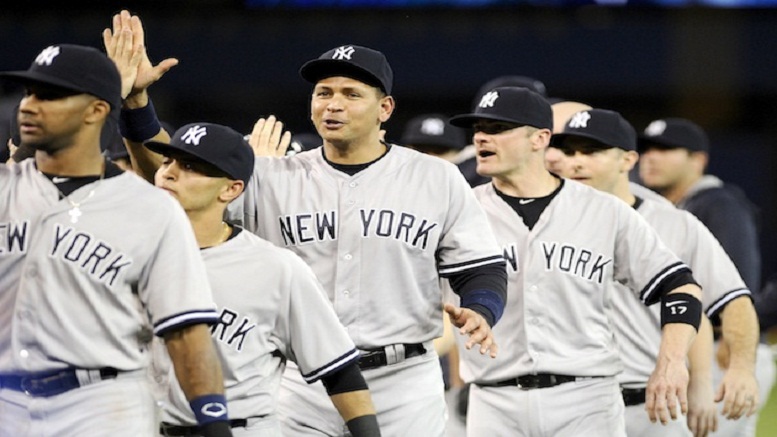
{"x": 348, "y": 112}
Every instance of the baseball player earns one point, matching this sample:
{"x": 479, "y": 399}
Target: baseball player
{"x": 566, "y": 245}
{"x": 601, "y": 151}
{"x": 674, "y": 154}
{"x": 88, "y": 274}
{"x": 379, "y": 254}
{"x": 264, "y": 295}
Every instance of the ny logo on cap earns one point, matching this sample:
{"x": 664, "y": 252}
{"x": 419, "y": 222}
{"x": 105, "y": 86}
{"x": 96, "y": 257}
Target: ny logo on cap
{"x": 487, "y": 101}
{"x": 194, "y": 134}
{"x": 344, "y": 52}
{"x": 580, "y": 120}
{"x": 433, "y": 126}
{"x": 47, "y": 55}
{"x": 655, "y": 128}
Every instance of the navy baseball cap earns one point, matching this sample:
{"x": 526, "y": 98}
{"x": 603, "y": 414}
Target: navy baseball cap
{"x": 433, "y": 130}
{"x": 602, "y": 125}
{"x": 74, "y": 67}
{"x": 357, "y": 62}
{"x": 509, "y": 104}
{"x": 531, "y": 83}
{"x": 217, "y": 145}
{"x": 674, "y": 133}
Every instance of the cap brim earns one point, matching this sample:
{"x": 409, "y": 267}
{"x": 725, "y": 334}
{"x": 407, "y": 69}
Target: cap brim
{"x": 467, "y": 120}
{"x": 167, "y": 148}
{"x": 643, "y": 141}
{"x": 557, "y": 140}
{"x": 26, "y": 77}
{"x": 318, "y": 69}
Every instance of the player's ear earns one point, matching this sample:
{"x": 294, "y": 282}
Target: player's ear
{"x": 387, "y": 105}
{"x": 97, "y": 110}
{"x": 629, "y": 160}
{"x": 231, "y": 191}
{"x": 540, "y": 139}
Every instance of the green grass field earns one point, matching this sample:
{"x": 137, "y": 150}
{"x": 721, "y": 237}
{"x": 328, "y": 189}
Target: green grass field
{"x": 767, "y": 418}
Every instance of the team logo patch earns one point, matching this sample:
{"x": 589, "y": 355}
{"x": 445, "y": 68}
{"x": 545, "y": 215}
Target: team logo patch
{"x": 579, "y": 120}
{"x": 214, "y": 409}
{"x": 344, "y": 52}
{"x": 194, "y": 134}
{"x": 433, "y": 126}
{"x": 655, "y": 128}
{"x": 487, "y": 101}
{"x": 46, "y": 57}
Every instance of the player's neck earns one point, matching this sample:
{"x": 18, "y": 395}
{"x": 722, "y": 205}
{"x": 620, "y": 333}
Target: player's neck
{"x": 352, "y": 153}
{"x": 209, "y": 227}
{"x": 676, "y": 192}
{"x": 622, "y": 191}
{"x": 535, "y": 183}
{"x": 71, "y": 161}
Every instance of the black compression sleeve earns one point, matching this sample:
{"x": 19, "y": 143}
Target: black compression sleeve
{"x": 349, "y": 378}
{"x": 677, "y": 279}
{"x": 364, "y": 426}
{"x": 483, "y": 290}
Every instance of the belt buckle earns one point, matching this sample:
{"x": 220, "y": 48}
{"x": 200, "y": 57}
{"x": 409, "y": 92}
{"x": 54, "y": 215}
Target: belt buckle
{"x": 528, "y": 382}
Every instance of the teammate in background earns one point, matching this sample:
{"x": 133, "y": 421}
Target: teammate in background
{"x": 263, "y": 292}
{"x": 674, "y": 155}
{"x": 343, "y": 208}
{"x": 81, "y": 294}
{"x": 600, "y": 148}
{"x": 431, "y": 134}
{"x": 566, "y": 244}
{"x": 562, "y": 112}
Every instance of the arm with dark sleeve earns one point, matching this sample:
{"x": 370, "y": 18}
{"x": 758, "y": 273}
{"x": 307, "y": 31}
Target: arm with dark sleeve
{"x": 348, "y": 391}
{"x": 482, "y": 289}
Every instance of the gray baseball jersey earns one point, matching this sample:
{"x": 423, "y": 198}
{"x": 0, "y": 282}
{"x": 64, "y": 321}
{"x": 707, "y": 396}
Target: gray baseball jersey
{"x": 560, "y": 274}
{"x": 89, "y": 291}
{"x": 272, "y": 307}
{"x": 639, "y": 331}
{"x": 378, "y": 240}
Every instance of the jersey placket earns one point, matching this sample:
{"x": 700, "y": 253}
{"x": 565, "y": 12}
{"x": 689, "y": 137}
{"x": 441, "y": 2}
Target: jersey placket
{"x": 347, "y": 285}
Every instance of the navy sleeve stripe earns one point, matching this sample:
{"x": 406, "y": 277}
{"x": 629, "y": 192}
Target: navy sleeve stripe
{"x": 446, "y": 270}
{"x": 185, "y": 319}
{"x": 724, "y": 300}
{"x": 333, "y": 366}
{"x": 647, "y": 293}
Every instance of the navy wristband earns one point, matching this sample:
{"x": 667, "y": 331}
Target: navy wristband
{"x": 139, "y": 124}
{"x": 364, "y": 426}
{"x": 484, "y": 298}
{"x": 209, "y": 408}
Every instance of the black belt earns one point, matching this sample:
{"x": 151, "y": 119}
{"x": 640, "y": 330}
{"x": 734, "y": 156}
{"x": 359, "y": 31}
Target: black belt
{"x": 540, "y": 380}
{"x": 167, "y": 429}
{"x": 372, "y": 358}
{"x": 45, "y": 384}
{"x": 633, "y": 396}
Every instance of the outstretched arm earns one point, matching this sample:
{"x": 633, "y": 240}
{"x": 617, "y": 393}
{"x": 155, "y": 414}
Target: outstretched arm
{"x": 739, "y": 389}
{"x": 702, "y": 414}
{"x": 668, "y": 384}
{"x": 125, "y": 46}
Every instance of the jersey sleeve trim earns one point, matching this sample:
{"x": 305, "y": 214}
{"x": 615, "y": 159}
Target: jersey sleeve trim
{"x": 185, "y": 319}
{"x": 716, "y": 307}
{"x": 651, "y": 293}
{"x": 450, "y": 269}
{"x": 333, "y": 366}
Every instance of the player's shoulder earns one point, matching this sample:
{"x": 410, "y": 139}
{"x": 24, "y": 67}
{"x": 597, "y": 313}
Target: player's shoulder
{"x": 579, "y": 192}
{"x": 267, "y": 254}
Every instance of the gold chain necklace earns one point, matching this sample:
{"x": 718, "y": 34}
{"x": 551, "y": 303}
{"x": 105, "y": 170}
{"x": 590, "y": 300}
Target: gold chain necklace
{"x": 75, "y": 207}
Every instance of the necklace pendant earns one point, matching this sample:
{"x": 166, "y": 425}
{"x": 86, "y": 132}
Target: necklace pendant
{"x": 74, "y": 213}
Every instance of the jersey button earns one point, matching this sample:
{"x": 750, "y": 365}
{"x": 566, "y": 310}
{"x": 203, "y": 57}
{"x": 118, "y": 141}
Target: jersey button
{"x": 353, "y": 184}
{"x": 350, "y": 202}
{"x": 23, "y": 353}
{"x": 347, "y": 257}
{"x": 346, "y": 292}
{"x": 533, "y": 288}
